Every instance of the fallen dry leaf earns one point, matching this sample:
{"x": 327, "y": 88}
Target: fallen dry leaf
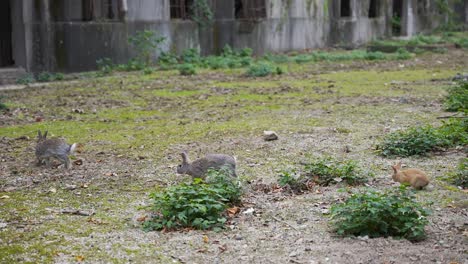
{"x": 79, "y": 258}
{"x": 222, "y": 248}
{"x": 206, "y": 239}
{"x": 5, "y": 197}
{"x": 142, "y": 218}
{"x": 233, "y": 211}
{"x": 78, "y": 162}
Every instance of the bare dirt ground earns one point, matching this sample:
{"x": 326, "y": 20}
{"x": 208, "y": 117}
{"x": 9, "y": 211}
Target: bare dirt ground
{"x": 131, "y": 128}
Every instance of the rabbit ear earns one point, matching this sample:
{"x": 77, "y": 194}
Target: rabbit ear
{"x": 39, "y": 134}
{"x": 185, "y": 158}
{"x": 45, "y": 134}
{"x": 395, "y": 169}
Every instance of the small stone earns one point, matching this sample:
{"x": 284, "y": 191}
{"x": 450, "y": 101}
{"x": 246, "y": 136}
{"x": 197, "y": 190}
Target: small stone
{"x": 249, "y": 211}
{"x": 270, "y": 135}
{"x": 238, "y": 237}
{"x": 3, "y": 225}
{"x": 70, "y": 187}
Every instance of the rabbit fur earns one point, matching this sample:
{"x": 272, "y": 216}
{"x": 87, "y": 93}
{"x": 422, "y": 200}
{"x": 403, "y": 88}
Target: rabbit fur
{"x": 198, "y": 168}
{"x": 53, "y": 148}
{"x": 415, "y": 177}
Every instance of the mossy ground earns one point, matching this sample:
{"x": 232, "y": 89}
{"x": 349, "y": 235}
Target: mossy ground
{"x": 132, "y": 127}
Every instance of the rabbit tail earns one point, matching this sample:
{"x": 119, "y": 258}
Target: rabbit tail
{"x": 72, "y": 148}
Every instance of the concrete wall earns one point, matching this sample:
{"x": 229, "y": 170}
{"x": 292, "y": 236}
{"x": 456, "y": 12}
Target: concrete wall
{"x": 56, "y": 38}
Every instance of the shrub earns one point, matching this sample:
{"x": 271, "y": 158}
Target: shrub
{"x": 187, "y": 69}
{"x": 414, "y": 141}
{"x": 198, "y": 205}
{"x": 423, "y": 139}
{"x": 457, "y": 98}
{"x": 168, "y": 58}
{"x": 260, "y": 70}
{"x": 375, "y": 56}
{"x": 327, "y": 170}
{"x": 454, "y": 132}
{"x": 394, "y": 212}
{"x": 246, "y": 52}
{"x": 146, "y": 42}
{"x": 191, "y": 56}
{"x": 403, "y": 54}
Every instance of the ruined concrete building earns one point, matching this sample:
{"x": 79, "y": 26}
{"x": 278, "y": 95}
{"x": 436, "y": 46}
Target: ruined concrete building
{"x": 70, "y": 35}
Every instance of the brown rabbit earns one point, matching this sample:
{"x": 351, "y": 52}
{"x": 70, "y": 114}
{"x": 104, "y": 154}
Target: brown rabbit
{"x": 53, "y": 148}
{"x": 415, "y": 177}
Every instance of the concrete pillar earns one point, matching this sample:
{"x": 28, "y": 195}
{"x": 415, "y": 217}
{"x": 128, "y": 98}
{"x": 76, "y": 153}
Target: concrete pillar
{"x": 47, "y": 43}
{"x": 122, "y": 6}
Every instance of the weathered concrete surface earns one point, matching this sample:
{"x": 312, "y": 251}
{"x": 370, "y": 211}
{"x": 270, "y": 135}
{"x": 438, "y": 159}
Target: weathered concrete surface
{"x": 50, "y": 35}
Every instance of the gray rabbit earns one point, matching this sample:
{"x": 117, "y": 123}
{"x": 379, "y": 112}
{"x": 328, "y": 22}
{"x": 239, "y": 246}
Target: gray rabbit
{"x": 198, "y": 168}
{"x": 53, "y": 148}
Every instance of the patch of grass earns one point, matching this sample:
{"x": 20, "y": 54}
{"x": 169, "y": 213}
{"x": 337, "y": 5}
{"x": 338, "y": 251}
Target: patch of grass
{"x": 457, "y": 98}
{"x": 372, "y": 213}
{"x": 423, "y": 139}
{"x": 198, "y": 205}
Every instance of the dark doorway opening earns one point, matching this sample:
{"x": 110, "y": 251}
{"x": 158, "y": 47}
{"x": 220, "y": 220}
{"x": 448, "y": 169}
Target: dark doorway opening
{"x": 181, "y": 9}
{"x": 6, "y": 58}
{"x": 374, "y": 8}
{"x": 249, "y": 9}
{"x": 345, "y": 8}
{"x": 397, "y": 15}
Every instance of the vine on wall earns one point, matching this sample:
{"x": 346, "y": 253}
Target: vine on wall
{"x": 202, "y": 13}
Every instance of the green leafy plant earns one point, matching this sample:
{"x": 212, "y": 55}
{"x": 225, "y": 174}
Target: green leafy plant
{"x": 327, "y": 170}
{"x": 148, "y": 70}
{"x": 293, "y": 179}
{"x": 202, "y": 13}
{"x": 457, "y": 98}
{"x": 168, "y": 58}
{"x": 191, "y": 56}
{"x": 49, "y": 77}
{"x": 3, "y": 106}
{"x": 423, "y": 139}
{"x": 132, "y": 65}
{"x": 26, "y": 79}
{"x": 146, "y": 42}
{"x": 260, "y": 70}
{"x": 187, "y": 69}
{"x": 105, "y": 66}
{"x": 197, "y": 205}
{"x": 372, "y": 213}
